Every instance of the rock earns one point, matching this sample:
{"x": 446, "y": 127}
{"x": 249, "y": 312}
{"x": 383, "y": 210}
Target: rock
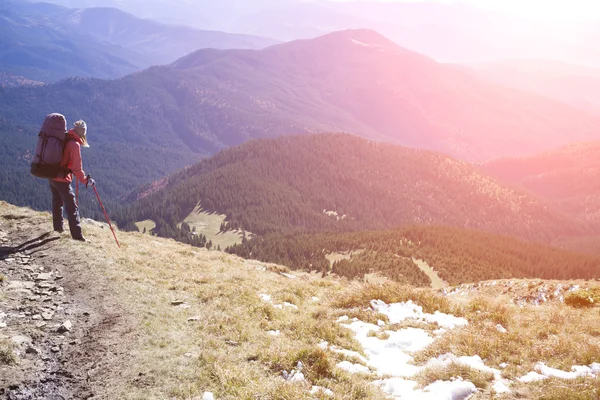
{"x": 47, "y": 316}
{"x": 31, "y": 350}
{"x": 177, "y": 302}
{"x": 65, "y": 327}
{"x": 193, "y": 319}
{"x": 43, "y": 277}
{"x": 58, "y": 277}
{"x": 55, "y": 349}
{"x": 208, "y": 396}
{"x": 20, "y": 285}
{"x": 232, "y": 343}
{"x": 36, "y": 317}
{"x": 501, "y": 329}
{"x": 20, "y": 340}
{"x": 40, "y": 325}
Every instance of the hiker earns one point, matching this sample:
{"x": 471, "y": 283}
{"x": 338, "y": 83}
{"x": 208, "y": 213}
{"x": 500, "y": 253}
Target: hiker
{"x": 57, "y": 158}
{"x": 62, "y": 191}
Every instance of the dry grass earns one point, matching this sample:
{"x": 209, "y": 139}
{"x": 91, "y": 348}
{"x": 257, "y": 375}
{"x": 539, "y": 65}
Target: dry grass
{"x": 7, "y": 356}
{"x": 228, "y": 350}
{"x": 360, "y": 296}
{"x": 480, "y": 379}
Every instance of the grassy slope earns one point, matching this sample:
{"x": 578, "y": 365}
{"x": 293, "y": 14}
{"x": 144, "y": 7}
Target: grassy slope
{"x": 172, "y": 358}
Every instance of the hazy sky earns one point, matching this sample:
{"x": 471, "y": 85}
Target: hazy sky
{"x": 543, "y": 9}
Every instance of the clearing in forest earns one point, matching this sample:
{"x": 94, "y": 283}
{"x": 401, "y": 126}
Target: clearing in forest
{"x": 209, "y": 224}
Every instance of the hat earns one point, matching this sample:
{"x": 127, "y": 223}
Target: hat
{"x": 81, "y": 129}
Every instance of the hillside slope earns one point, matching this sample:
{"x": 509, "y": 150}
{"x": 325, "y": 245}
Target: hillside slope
{"x": 158, "y": 319}
{"x": 569, "y": 177}
{"x": 301, "y": 183}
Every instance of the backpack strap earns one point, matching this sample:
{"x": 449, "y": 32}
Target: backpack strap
{"x": 66, "y": 170}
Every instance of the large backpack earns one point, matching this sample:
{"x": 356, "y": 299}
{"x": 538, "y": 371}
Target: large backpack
{"x": 49, "y": 150}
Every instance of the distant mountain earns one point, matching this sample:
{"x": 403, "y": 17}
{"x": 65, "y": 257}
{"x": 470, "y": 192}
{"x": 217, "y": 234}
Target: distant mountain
{"x": 380, "y": 87}
{"x": 46, "y": 42}
{"x": 40, "y": 48}
{"x": 7, "y": 81}
{"x": 446, "y": 32}
{"x": 337, "y": 183}
{"x": 568, "y": 177}
{"x": 159, "y": 43}
{"x": 574, "y": 85}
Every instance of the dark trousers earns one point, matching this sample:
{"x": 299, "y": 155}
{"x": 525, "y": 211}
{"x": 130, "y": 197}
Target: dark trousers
{"x": 63, "y": 197}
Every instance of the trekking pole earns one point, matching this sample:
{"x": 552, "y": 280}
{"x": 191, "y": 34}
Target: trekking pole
{"x": 106, "y": 215}
{"x": 77, "y": 192}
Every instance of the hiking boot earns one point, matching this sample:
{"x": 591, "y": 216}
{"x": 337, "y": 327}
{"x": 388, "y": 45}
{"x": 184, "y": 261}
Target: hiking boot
{"x": 81, "y": 239}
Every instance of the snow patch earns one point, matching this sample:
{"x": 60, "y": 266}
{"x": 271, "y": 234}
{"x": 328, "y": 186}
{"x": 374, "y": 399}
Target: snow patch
{"x": 295, "y": 375}
{"x": 265, "y": 297}
{"x": 440, "y": 390}
{"x": 321, "y": 390}
{"x": 343, "y": 318}
{"x": 399, "y": 312}
{"x": 353, "y": 368}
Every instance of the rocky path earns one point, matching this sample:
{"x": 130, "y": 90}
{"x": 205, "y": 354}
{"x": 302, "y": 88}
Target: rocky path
{"x": 59, "y": 338}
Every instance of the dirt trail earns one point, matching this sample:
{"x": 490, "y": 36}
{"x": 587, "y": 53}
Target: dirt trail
{"x": 66, "y": 332}
{"x": 437, "y": 282}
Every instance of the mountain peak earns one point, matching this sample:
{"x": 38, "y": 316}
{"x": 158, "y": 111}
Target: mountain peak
{"x": 353, "y": 38}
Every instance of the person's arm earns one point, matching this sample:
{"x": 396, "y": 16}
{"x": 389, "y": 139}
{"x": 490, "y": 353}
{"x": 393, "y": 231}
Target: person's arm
{"x": 77, "y": 163}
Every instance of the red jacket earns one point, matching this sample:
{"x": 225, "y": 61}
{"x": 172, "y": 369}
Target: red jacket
{"x": 72, "y": 159}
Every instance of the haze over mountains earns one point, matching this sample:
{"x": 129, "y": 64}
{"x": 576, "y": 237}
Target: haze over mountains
{"x": 45, "y": 42}
{"x": 572, "y": 84}
{"x": 568, "y": 177}
{"x": 445, "y": 32}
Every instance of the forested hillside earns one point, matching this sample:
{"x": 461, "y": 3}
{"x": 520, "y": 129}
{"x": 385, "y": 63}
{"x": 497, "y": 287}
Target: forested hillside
{"x": 458, "y": 255}
{"x": 336, "y": 183}
{"x": 568, "y": 177}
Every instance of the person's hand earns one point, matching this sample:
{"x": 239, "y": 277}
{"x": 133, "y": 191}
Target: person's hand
{"x": 90, "y": 181}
